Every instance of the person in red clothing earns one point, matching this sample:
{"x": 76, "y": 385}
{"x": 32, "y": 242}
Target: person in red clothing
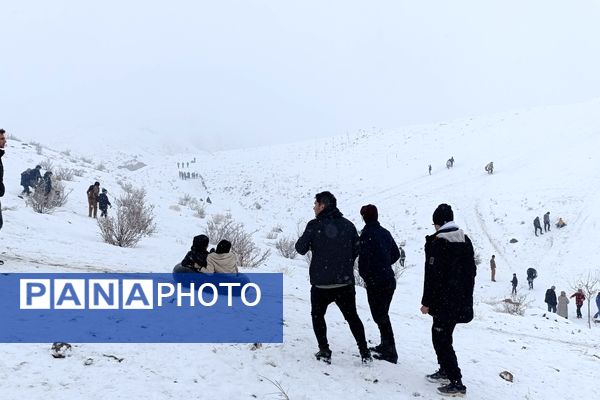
{"x": 579, "y": 298}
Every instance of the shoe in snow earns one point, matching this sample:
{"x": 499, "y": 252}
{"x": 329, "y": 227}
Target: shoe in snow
{"x": 365, "y": 356}
{"x": 438, "y": 377}
{"x": 324, "y": 355}
{"x": 453, "y": 389}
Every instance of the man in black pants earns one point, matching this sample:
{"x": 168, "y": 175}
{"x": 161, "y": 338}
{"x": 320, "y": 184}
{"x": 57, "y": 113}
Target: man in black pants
{"x": 377, "y": 253}
{"x": 448, "y": 294}
{"x": 333, "y": 241}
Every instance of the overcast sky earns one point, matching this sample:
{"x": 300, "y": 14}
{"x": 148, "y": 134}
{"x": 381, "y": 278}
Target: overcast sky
{"x": 235, "y": 73}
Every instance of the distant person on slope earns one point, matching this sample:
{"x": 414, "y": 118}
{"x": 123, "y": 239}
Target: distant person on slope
{"x": 377, "y": 253}
{"x": 92, "y": 195}
{"x": 493, "y": 267}
{"x": 103, "y": 203}
{"x": 531, "y": 275}
{"x": 402, "y": 255}
{"x": 561, "y": 223}
{"x": 537, "y": 225}
{"x": 448, "y": 294}
{"x": 579, "y": 298}
{"x": 333, "y": 242}
{"x": 429, "y": 169}
{"x": 489, "y": 167}
{"x": 2, "y": 189}
{"x": 563, "y": 305}
{"x": 547, "y": 221}
{"x": 514, "y": 282}
{"x": 597, "y": 305}
{"x": 550, "y": 299}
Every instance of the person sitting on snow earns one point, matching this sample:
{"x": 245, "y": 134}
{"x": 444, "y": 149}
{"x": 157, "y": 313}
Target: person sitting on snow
{"x": 561, "y": 223}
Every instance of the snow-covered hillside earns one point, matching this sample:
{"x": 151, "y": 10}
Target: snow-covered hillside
{"x": 544, "y": 161}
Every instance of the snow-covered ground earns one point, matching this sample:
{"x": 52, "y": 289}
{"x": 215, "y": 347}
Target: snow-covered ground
{"x": 545, "y": 160}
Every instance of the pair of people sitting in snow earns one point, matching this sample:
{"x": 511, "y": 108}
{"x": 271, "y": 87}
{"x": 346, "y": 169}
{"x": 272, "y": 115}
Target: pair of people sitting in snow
{"x": 200, "y": 259}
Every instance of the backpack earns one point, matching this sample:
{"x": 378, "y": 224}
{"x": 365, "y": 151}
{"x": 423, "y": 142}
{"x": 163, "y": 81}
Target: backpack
{"x": 25, "y": 176}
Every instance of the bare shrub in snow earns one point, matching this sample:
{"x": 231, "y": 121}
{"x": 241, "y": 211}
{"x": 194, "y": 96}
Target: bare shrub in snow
{"x": 101, "y": 167}
{"x": 38, "y": 147}
{"x": 78, "y": 172}
{"x": 185, "y": 200}
{"x": 272, "y": 235}
{"x": 517, "y": 304}
{"x": 286, "y": 247}
{"x": 46, "y": 204}
{"x": 224, "y": 227}
{"x": 200, "y": 210}
{"x": 86, "y": 160}
{"x": 47, "y": 164}
{"x": 126, "y": 186}
{"x": 66, "y": 152}
{"x": 134, "y": 220}
{"x": 64, "y": 174}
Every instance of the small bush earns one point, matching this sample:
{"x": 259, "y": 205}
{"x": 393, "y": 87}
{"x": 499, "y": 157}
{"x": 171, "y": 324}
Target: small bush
{"x": 64, "y": 174}
{"x": 86, "y": 160}
{"x": 126, "y": 186}
{"x": 101, "y": 167}
{"x": 516, "y": 304}
{"x": 47, "y": 165}
{"x": 185, "y": 200}
{"x": 46, "y": 204}
{"x": 78, "y": 172}
{"x": 134, "y": 220}
{"x": 66, "y": 152}
{"x": 286, "y": 247}
{"x": 272, "y": 235}
{"x": 38, "y": 147}
{"x": 224, "y": 227}
{"x": 200, "y": 210}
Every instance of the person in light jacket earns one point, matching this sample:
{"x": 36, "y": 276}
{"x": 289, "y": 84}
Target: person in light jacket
{"x": 223, "y": 260}
{"x": 563, "y": 305}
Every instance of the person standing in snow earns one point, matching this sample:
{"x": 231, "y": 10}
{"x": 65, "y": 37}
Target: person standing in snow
{"x": 531, "y": 275}
{"x": 47, "y": 181}
{"x": 514, "y": 282}
{"x": 563, "y": 305}
{"x": 579, "y": 298}
{"x": 377, "y": 253}
{"x": 597, "y": 305}
{"x": 537, "y": 225}
{"x": 429, "y": 169}
{"x": 448, "y": 293}
{"x": 333, "y": 241}
{"x": 92, "y": 195}
{"x": 550, "y": 299}
{"x": 547, "y": 221}
{"x": 2, "y": 189}
{"x": 402, "y": 256}
{"x": 103, "y": 203}
{"x": 493, "y": 267}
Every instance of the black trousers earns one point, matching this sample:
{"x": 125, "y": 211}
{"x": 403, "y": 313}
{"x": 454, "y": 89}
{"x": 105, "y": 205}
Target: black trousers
{"x": 380, "y": 298}
{"x": 536, "y": 229}
{"x": 579, "y": 311}
{"x": 546, "y": 226}
{"x": 345, "y": 298}
{"x": 441, "y": 336}
{"x": 551, "y": 307}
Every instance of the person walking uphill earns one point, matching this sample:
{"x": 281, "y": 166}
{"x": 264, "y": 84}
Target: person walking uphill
{"x": 563, "y": 305}
{"x": 579, "y": 298}
{"x": 92, "y": 195}
{"x": 514, "y": 282}
{"x": 537, "y": 225}
{"x": 547, "y": 221}
{"x": 103, "y": 203}
{"x": 448, "y": 293}
{"x": 333, "y": 241}
{"x": 377, "y": 253}
{"x": 550, "y": 299}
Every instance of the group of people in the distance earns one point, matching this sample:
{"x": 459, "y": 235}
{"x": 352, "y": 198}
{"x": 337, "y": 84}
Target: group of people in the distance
{"x": 448, "y": 285}
{"x": 560, "y": 305}
{"x": 538, "y": 226}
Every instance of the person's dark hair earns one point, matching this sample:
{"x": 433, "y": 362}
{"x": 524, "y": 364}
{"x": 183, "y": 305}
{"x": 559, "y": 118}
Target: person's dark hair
{"x": 326, "y": 198}
{"x": 223, "y": 247}
{"x": 369, "y": 213}
{"x": 96, "y": 183}
{"x": 38, "y": 167}
{"x": 442, "y": 214}
{"x": 200, "y": 243}
{"x": 2, "y": 131}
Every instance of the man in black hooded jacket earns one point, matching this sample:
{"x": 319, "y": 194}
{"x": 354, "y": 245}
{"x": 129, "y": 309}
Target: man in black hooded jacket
{"x": 333, "y": 241}
{"x": 377, "y": 253}
{"x": 448, "y": 293}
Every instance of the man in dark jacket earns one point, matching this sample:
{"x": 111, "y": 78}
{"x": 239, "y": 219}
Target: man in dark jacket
{"x": 2, "y": 144}
{"x": 551, "y": 299}
{"x": 333, "y": 241}
{"x": 514, "y": 282}
{"x": 377, "y": 253}
{"x": 547, "y": 221}
{"x": 448, "y": 293}
{"x": 537, "y": 225}
{"x": 30, "y": 178}
{"x": 103, "y": 203}
{"x": 195, "y": 259}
